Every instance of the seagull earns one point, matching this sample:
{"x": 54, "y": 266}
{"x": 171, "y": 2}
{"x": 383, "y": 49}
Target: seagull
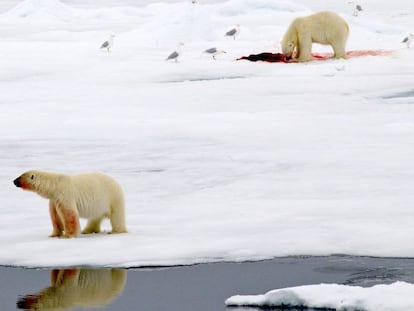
{"x": 176, "y": 54}
{"x": 233, "y": 32}
{"x": 214, "y": 52}
{"x": 357, "y": 8}
{"x": 408, "y": 40}
{"x": 108, "y": 43}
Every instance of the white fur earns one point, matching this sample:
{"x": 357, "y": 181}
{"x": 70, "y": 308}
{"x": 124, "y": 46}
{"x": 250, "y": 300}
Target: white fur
{"x": 93, "y": 196}
{"x": 324, "y": 27}
{"x": 72, "y": 288}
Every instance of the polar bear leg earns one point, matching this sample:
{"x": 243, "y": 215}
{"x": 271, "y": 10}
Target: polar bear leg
{"x": 339, "y": 50}
{"x": 56, "y": 220}
{"x": 58, "y": 276}
{"x": 304, "y": 47}
{"x": 93, "y": 226}
{"x": 118, "y": 225}
{"x": 70, "y": 219}
{"x": 117, "y": 219}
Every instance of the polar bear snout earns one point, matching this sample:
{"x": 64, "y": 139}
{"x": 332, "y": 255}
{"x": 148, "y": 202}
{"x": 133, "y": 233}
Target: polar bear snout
{"x": 21, "y": 182}
{"x": 17, "y": 182}
{"x": 25, "y": 181}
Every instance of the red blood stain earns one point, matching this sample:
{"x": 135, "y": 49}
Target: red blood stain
{"x": 71, "y": 222}
{"x": 281, "y": 58}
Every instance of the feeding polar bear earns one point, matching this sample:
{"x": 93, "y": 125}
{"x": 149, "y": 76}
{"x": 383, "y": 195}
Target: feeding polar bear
{"x": 93, "y": 196}
{"x": 326, "y": 28}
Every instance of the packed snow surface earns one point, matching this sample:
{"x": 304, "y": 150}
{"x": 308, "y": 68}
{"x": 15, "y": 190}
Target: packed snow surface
{"x": 393, "y": 297}
{"x": 218, "y": 159}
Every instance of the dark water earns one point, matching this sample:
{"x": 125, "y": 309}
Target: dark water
{"x": 199, "y": 287}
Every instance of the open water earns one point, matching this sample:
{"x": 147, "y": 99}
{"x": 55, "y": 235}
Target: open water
{"x": 186, "y": 288}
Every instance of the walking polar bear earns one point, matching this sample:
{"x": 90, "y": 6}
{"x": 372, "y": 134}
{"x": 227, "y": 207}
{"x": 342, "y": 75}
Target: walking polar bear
{"x": 93, "y": 196}
{"x": 325, "y": 28}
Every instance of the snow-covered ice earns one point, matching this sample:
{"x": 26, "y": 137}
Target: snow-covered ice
{"x": 219, "y": 160}
{"x": 396, "y": 296}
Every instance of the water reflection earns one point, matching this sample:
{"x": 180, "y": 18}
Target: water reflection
{"x": 71, "y": 288}
{"x": 198, "y": 287}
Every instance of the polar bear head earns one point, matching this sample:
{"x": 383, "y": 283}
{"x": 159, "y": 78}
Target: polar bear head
{"x": 290, "y": 39}
{"x": 288, "y": 46}
{"x": 43, "y": 183}
{"x": 27, "y": 180}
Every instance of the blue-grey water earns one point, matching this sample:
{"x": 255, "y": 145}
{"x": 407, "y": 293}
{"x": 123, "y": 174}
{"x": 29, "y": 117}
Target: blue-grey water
{"x": 199, "y": 287}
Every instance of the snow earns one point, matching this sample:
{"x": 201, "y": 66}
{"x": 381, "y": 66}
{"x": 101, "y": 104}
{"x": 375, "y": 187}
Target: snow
{"x": 396, "y": 296}
{"x": 219, "y": 160}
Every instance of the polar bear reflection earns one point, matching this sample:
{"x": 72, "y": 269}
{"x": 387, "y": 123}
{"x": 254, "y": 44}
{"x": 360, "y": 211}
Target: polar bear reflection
{"x": 73, "y": 288}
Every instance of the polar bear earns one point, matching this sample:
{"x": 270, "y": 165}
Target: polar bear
{"x": 94, "y": 196}
{"x": 77, "y": 288}
{"x": 326, "y": 28}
